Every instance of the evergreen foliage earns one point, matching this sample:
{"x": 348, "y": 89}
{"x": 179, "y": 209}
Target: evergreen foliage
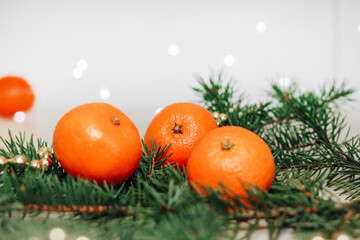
{"x": 316, "y": 164}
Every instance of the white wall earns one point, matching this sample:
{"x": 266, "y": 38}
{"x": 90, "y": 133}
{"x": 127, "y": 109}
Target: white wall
{"x": 125, "y": 44}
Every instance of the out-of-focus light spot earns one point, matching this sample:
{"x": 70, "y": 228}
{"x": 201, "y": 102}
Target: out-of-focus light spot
{"x": 77, "y": 73}
{"x": 104, "y": 93}
{"x": 229, "y": 60}
{"x": 260, "y": 27}
{"x": 317, "y": 238}
{"x": 83, "y": 238}
{"x": 19, "y": 117}
{"x": 359, "y": 28}
{"x": 158, "y": 110}
{"x": 342, "y": 237}
{"x": 57, "y": 234}
{"x": 284, "y": 81}
{"x": 173, "y": 50}
{"x": 82, "y": 64}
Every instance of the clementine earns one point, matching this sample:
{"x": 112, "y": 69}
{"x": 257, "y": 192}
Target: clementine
{"x": 233, "y": 156}
{"x": 98, "y": 142}
{"x": 16, "y": 95}
{"x": 182, "y": 125}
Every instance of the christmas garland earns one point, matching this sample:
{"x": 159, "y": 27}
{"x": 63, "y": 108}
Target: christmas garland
{"x": 316, "y": 164}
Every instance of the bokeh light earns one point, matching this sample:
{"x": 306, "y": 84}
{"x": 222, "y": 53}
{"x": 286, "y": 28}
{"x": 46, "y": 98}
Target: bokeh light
{"x": 284, "y": 81}
{"x": 82, "y": 64}
{"x": 260, "y": 27}
{"x": 229, "y": 60}
{"x": 57, "y": 234}
{"x": 104, "y": 93}
{"x": 77, "y": 73}
{"x": 173, "y": 50}
{"x": 19, "y": 117}
{"x": 83, "y": 238}
{"x": 342, "y": 237}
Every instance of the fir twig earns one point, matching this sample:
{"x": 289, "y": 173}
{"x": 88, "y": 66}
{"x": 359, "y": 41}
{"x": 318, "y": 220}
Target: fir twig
{"x": 309, "y": 139}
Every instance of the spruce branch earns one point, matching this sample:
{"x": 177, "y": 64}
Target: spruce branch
{"x": 220, "y": 97}
{"x": 306, "y": 132}
{"x": 153, "y": 156}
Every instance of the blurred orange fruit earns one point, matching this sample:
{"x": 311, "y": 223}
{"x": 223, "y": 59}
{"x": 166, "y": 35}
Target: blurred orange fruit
{"x": 233, "y": 156}
{"x": 182, "y": 125}
{"x": 15, "y": 95}
{"x": 98, "y": 142}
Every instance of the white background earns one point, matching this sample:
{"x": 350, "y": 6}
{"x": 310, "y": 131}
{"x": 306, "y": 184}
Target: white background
{"x": 126, "y": 47}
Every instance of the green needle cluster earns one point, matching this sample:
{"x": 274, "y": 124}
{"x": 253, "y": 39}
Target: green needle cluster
{"x": 316, "y": 191}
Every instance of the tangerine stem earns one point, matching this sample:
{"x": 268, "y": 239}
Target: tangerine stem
{"x": 116, "y": 121}
{"x": 226, "y": 145}
{"x": 177, "y": 129}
